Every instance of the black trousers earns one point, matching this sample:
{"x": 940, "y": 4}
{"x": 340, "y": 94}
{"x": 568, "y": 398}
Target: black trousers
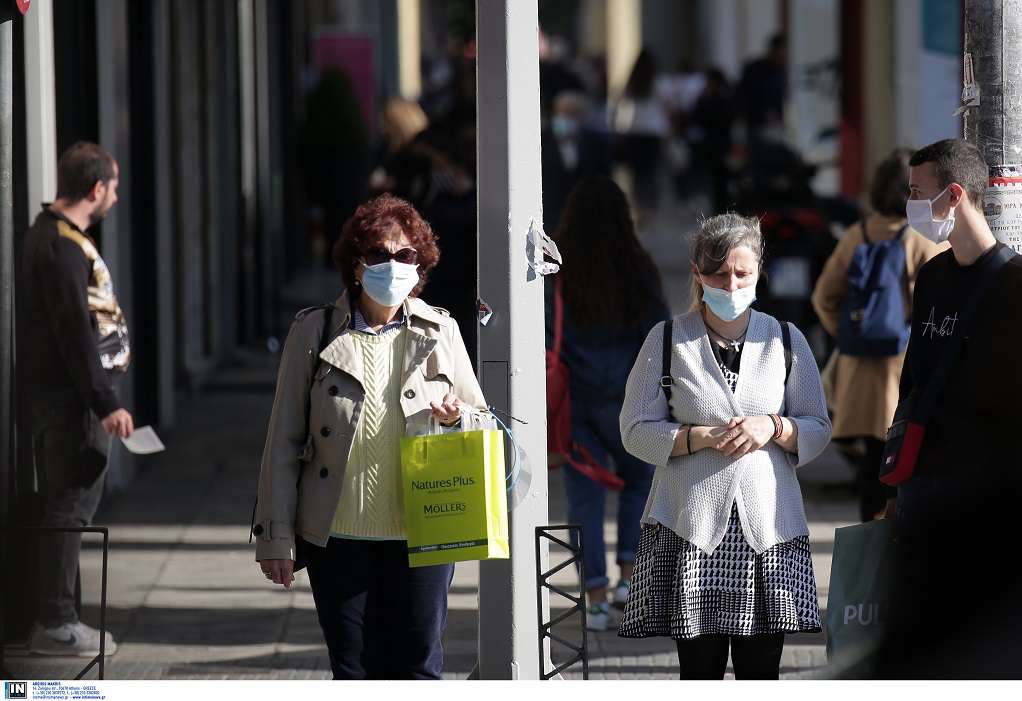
{"x": 70, "y": 457}
{"x": 753, "y": 656}
{"x": 381, "y": 618}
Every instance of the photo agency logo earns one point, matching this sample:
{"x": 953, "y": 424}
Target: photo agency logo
{"x": 15, "y": 690}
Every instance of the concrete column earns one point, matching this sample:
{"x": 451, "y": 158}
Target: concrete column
{"x": 730, "y": 32}
{"x": 592, "y": 28}
{"x": 624, "y": 41}
{"x": 40, "y": 107}
{"x": 908, "y": 29}
{"x": 878, "y": 86}
{"x": 249, "y": 168}
{"x": 409, "y": 33}
{"x": 166, "y": 228}
{"x": 511, "y": 346}
{"x": 114, "y": 111}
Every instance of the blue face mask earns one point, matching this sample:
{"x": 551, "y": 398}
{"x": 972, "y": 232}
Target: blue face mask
{"x": 729, "y": 305}
{"x": 389, "y": 283}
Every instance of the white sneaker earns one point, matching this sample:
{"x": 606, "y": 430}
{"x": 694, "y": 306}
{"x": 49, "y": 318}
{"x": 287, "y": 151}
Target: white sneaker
{"x": 620, "y": 595}
{"x": 70, "y": 639}
{"x": 598, "y": 617}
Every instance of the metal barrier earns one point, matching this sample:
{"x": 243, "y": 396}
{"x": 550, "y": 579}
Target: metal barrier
{"x": 581, "y": 652}
{"x": 99, "y": 659}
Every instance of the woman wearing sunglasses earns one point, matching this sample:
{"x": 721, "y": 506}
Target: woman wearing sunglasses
{"x": 354, "y": 375}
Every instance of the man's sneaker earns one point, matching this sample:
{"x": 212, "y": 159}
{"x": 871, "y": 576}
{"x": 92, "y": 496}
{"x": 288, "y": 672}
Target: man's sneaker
{"x": 71, "y": 639}
{"x": 620, "y": 595}
{"x": 598, "y": 617}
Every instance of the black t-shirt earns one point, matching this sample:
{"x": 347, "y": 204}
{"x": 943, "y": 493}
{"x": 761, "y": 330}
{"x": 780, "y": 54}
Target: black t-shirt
{"x": 976, "y": 418}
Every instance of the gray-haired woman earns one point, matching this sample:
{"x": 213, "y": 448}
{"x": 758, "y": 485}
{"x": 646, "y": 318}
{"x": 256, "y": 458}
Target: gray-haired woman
{"x": 723, "y": 560}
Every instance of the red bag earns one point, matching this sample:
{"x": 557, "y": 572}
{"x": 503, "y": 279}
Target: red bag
{"x": 558, "y": 409}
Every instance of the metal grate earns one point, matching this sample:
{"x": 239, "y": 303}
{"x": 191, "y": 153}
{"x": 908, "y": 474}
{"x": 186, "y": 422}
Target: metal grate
{"x": 580, "y": 653}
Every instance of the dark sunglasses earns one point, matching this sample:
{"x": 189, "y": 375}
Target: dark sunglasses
{"x": 375, "y": 256}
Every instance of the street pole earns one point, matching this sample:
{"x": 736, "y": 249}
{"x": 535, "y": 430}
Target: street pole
{"x": 992, "y": 107}
{"x": 6, "y": 292}
{"x": 511, "y": 369}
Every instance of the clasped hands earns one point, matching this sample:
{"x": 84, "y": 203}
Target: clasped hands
{"x": 740, "y": 436}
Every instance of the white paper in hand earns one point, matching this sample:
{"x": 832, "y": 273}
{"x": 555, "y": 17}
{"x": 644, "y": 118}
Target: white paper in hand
{"x": 143, "y": 441}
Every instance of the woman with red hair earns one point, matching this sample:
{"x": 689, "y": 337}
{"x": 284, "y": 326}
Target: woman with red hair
{"x": 354, "y": 376}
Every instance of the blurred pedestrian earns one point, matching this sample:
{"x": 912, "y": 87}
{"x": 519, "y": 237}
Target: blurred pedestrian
{"x": 953, "y": 615}
{"x": 402, "y": 166}
{"x": 612, "y": 296}
{"x": 710, "y": 133}
{"x": 641, "y": 121}
{"x": 764, "y": 91}
{"x": 75, "y": 351}
{"x": 352, "y": 375}
{"x": 724, "y": 559}
{"x": 571, "y": 151}
{"x": 866, "y": 388}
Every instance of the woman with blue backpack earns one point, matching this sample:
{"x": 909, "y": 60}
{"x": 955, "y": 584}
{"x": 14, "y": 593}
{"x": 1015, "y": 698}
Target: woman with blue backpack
{"x": 863, "y": 298}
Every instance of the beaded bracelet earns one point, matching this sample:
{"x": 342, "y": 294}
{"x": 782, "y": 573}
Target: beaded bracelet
{"x": 778, "y": 427}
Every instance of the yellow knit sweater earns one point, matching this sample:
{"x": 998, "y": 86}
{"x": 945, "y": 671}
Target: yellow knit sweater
{"x": 372, "y": 503}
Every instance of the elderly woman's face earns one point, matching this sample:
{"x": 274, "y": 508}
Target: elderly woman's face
{"x": 740, "y": 269}
{"x": 397, "y": 247}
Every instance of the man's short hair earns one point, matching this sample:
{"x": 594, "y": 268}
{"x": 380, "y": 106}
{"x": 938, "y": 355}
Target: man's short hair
{"x": 956, "y": 161}
{"x": 80, "y": 168}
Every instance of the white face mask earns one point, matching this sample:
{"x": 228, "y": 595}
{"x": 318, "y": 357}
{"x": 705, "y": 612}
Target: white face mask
{"x": 920, "y": 218}
{"x": 729, "y": 305}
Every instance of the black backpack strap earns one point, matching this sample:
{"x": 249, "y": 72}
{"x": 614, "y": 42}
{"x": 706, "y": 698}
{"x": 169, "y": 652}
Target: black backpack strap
{"x": 666, "y": 381}
{"x": 786, "y": 340}
{"x": 328, "y": 316}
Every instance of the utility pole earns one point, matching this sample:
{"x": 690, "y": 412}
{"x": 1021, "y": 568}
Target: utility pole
{"x": 511, "y": 369}
{"x": 992, "y": 107}
{"x": 9, "y": 11}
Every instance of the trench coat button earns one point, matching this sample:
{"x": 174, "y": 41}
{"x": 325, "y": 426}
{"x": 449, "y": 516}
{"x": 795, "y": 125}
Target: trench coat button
{"x": 333, "y": 391}
{"x": 323, "y": 472}
{"x": 258, "y": 530}
{"x": 325, "y": 431}
{"x": 410, "y": 394}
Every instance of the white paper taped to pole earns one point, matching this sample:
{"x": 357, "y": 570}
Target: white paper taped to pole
{"x": 143, "y": 441}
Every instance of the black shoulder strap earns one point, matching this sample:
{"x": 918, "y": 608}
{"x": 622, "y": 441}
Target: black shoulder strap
{"x": 666, "y": 381}
{"x": 865, "y": 236}
{"x": 786, "y": 340}
{"x": 324, "y": 339}
{"x": 935, "y": 385}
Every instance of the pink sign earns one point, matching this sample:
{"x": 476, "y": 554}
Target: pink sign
{"x": 354, "y": 54}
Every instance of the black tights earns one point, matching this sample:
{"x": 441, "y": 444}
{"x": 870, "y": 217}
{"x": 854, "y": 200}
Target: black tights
{"x": 753, "y": 656}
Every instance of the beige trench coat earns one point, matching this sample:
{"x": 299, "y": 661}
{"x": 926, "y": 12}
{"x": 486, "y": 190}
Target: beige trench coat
{"x": 866, "y": 389}
{"x": 317, "y": 407}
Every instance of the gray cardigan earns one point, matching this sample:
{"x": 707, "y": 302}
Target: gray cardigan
{"x": 692, "y": 495}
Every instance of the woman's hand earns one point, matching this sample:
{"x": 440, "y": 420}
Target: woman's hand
{"x": 279, "y": 571}
{"x": 449, "y": 411}
{"x": 745, "y": 434}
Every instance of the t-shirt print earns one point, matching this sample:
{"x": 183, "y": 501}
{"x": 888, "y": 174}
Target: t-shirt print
{"x": 937, "y": 327}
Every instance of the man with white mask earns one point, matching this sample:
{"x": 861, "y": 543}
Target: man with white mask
{"x": 946, "y": 185}
{"x": 957, "y": 505}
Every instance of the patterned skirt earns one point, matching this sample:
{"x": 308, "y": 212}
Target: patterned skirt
{"x": 677, "y": 590}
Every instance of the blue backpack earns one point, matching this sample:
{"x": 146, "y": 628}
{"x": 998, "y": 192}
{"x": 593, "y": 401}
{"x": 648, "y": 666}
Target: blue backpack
{"x": 873, "y": 320}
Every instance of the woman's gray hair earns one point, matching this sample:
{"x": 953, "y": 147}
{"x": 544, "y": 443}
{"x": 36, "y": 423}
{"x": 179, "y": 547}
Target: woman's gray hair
{"x": 714, "y": 240}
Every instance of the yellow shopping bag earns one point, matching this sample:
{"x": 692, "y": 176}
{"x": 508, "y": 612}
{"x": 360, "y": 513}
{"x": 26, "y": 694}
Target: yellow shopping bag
{"x": 455, "y": 497}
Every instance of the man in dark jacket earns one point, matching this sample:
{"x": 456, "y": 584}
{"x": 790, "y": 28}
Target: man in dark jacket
{"x": 74, "y": 347}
